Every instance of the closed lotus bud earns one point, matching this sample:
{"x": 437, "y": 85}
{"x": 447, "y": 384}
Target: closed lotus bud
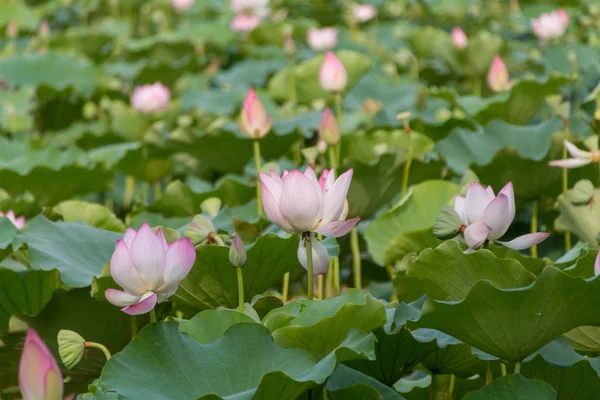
{"x": 149, "y": 99}
{"x": 39, "y": 375}
{"x": 237, "y": 252}
{"x": 12, "y": 29}
{"x": 322, "y": 39}
{"x": 329, "y": 130}
{"x": 447, "y": 224}
{"x": 459, "y": 38}
{"x": 182, "y": 5}
{"x": 498, "y": 78}
{"x": 320, "y": 258}
{"x": 582, "y": 193}
{"x": 71, "y": 347}
{"x": 364, "y": 12}
{"x": 199, "y": 229}
{"x": 254, "y": 121}
{"x": 333, "y": 76}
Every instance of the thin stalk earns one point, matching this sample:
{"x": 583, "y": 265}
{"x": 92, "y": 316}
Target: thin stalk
{"x": 286, "y": 287}
{"x": 476, "y": 83}
{"x": 356, "y": 262}
{"x": 503, "y": 369}
{"x": 329, "y": 285}
{"x": 338, "y": 115}
{"x": 336, "y": 276}
{"x": 565, "y": 187}
{"x": 406, "y": 173}
{"x": 489, "y": 377}
{"x": 133, "y": 324}
{"x": 240, "y": 283}
{"x": 129, "y": 190}
{"x": 518, "y": 368}
{"x": 534, "y": 225}
{"x": 324, "y": 396}
{"x": 309, "y": 262}
{"x": 153, "y": 315}
{"x": 99, "y": 347}
{"x": 258, "y": 167}
{"x": 320, "y": 286}
{"x": 433, "y": 388}
{"x": 390, "y": 271}
{"x": 332, "y": 157}
{"x": 451, "y": 386}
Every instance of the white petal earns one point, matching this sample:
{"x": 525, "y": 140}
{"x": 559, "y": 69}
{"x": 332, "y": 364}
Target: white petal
{"x": 476, "y": 234}
{"x": 526, "y": 241}
{"x": 148, "y": 255}
{"x": 119, "y": 298}
{"x": 300, "y": 203}
{"x": 509, "y": 192}
{"x": 335, "y": 197}
{"x": 574, "y": 151}
{"x": 476, "y": 201}
{"x": 570, "y": 162}
{"x": 497, "y": 217}
{"x": 459, "y": 207}
{"x": 123, "y": 272}
{"x": 320, "y": 257}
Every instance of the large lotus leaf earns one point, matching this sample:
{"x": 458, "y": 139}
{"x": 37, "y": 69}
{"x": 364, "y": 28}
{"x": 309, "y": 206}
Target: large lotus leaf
{"x": 210, "y": 325}
{"x": 87, "y": 41}
{"x": 162, "y": 363}
{"x": 585, "y": 338}
{"x": 583, "y": 221}
{"x": 56, "y": 70}
{"x": 417, "y": 212}
{"x": 214, "y": 101}
{"x": 7, "y": 233}
{"x": 429, "y": 42}
{"x": 77, "y": 250}
{"x": 249, "y": 73}
{"x": 533, "y": 265}
{"x": 13, "y": 11}
{"x": 308, "y": 87}
{"x": 514, "y": 387}
{"x": 164, "y": 48}
{"x": 215, "y": 31}
{"x": 213, "y": 281}
{"x": 92, "y": 214}
{"x": 349, "y": 384}
{"x": 318, "y": 326}
{"x": 126, "y": 121}
{"x": 513, "y": 323}
{"x": 15, "y": 113}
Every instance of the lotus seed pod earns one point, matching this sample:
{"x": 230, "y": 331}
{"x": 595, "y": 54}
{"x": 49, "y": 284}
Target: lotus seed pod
{"x": 71, "y": 347}
{"x": 582, "y": 193}
{"x": 447, "y": 224}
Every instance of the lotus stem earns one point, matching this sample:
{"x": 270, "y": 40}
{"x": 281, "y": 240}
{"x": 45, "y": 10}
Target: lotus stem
{"x": 565, "y": 188}
{"x": 336, "y": 276}
{"x": 390, "y": 271}
{"x": 356, "y": 258}
{"x": 338, "y": 115}
{"x": 133, "y": 324}
{"x": 503, "y": 369}
{"x": 309, "y": 263}
{"x": 433, "y": 388}
{"x": 534, "y": 224}
{"x": 320, "y": 286}
{"x": 518, "y": 368}
{"x": 145, "y": 191}
{"x": 157, "y": 189}
{"x": 324, "y": 396}
{"x": 332, "y": 158}
{"x": 330, "y": 275}
{"x": 489, "y": 376}
{"x": 129, "y": 190}
{"x": 240, "y": 283}
{"x": 407, "y": 165}
{"x": 152, "y": 316}
{"x": 476, "y": 83}
{"x": 286, "y": 287}
{"x": 99, "y": 347}
{"x": 451, "y": 386}
{"x": 259, "y": 207}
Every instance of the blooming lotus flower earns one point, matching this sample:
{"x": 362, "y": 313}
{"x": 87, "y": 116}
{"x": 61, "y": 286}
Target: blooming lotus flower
{"x": 459, "y": 38}
{"x": 19, "y": 222}
{"x": 498, "y": 78}
{"x": 299, "y": 203}
{"x": 329, "y": 129}
{"x": 182, "y": 5}
{"x": 364, "y": 12}
{"x": 148, "y": 269}
{"x": 320, "y": 258}
{"x": 322, "y": 39}
{"x": 486, "y": 216}
{"x": 333, "y": 76}
{"x": 254, "y": 122}
{"x": 550, "y": 25}
{"x": 149, "y": 99}
{"x": 245, "y": 23}
{"x": 580, "y": 157}
{"x": 39, "y": 375}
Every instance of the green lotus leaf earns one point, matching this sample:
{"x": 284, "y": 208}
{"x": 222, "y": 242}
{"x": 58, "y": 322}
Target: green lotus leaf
{"x": 349, "y": 384}
{"x": 15, "y": 111}
{"x": 209, "y": 325}
{"x": 514, "y": 387}
{"x": 92, "y": 214}
{"x": 24, "y": 16}
{"x": 583, "y": 221}
{"x": 585, "y": 338}
{"x": 7, "y": 233}
{"x": 249, "y": 73}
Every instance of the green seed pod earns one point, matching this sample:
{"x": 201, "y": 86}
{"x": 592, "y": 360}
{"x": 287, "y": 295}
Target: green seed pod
{"x": 582, "y": 193}
{"x": 448, "y": 223}
{"x": 71, "y": 347}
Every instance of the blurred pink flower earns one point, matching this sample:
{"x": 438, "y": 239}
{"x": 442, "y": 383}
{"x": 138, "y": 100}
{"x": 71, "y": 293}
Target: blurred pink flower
{"x": 300, "y": 203}
{"x": 149, "y": 99}
{"x": 551, "y": 25}
{"x": 322, "y": 39}
{"x": 329, "y": 129}
{"x": 333, "y": 76}
{"x": 18, "y": 222}
{"x": 254, "y": 121}
{"x": 245, "y": 22}
{"x": 182, "y": 5}
{"x": 148, "y": 269}
{"x": 486, "y": 216}
{"x": 320, "y": 258}
{"x": 580, "y": 157}
{"x": 256, "y": 7}
{"x": 498, "y": 78}
{"x": 364, "y": 12}
{"x": 459, "y": 38}
{"x": 39, "y": 375}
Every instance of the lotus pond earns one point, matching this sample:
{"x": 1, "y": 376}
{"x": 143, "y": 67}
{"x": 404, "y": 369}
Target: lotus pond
{"x": 299, "y": 199}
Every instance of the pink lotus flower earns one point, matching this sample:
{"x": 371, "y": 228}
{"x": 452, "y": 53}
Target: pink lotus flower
{"x": 39, "y": 375}
{"x": 182, "y": 5}
{"x": 19, "y": 222}
{"x": 333, "y": 76}
{"x": 254, "y": 121}
{"x": 148, "y": 269}
{"x": 486, "y": 216}
{"x": 329, "y": 129}
{"x": 459, "y": 38}
{"x": 498, "y": 78}
{"x": 149, "y": 99}
{"x": 364, "y": 12}
{"x": 550, "y": 25}
{"x": 580, "y": 157}
{"x": 597, "y": 265}
{"x": 320, "y": 258}
{"x": 245, "y": 23}
{"x": 299, "y": 203}
{"x": 322, "y": 39}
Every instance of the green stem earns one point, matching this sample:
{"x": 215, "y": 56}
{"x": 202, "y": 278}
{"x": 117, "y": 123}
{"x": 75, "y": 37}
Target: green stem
{"x": 100, "y": 347}
{"x": 356, "y": 258}
{"x": 309, "y": 262}
{"x": 292, "y": 78}
{"x": 145, "y": 191}
{"x": 433, "y": 388}
{"x": 329, "y": 284}
{"x": 133, "y": 324}
{"x": 476, "y": 86}
{"x": 565, "y": 188}
{"x": 338, "y": 115}
{"x": 407, "y": 165}
{"x": 534, "y": 224}
{"x": 320, "y": 286}
{"x": 336, "y": 276}
{"x": 129, "y": 190}
{"x": 489, "y": 377}
{"x": 258, "y": 167}
{"x": 518, "y": 368}
{"x": 286, "y": 287}
{"x": 152, "y": 316}
{"x": 324, "y": 396}
{"x": 240, "y": 283}
{"x": 390, "y": 271}
{"x": 451, "y": 386}
{"x": 503, "y": 369}
{"x": 298, "y": 152}
{"x": 332, "y": 158}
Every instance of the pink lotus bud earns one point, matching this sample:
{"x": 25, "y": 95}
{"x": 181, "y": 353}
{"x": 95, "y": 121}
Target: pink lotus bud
{"x": 19, "y": 222}
{"x": 245, "y": 23}
{"x": 322, "y": 39}
{"x": 44, "y": 29}
{"x": 148, "y": 269}
{"x": 498, "y": 78}
{"x": 320, "y": 258}
{"x": 364, "y": 12}
{"x": 333, "y": 76}
{"x": 182, "y": 5}
{"x": 149, "y": 99}
{"x": 459, "y": 38}
{"x": 298, "y": 203}
{"x": 329, "y": 130}
{"x": 12, "y": 29}
{"x": 550, "y": 25}
{"x": 237, "y": 252}
{"x": 39, "y": 375}
{"x": 254, "y": 121}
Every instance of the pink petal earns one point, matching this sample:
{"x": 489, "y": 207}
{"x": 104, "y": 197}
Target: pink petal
{"x": 459, "y": 207}
{"x": 145, "y": 305}
{"x": 119, "y": 298}
{"x": 597, "y": 265}
{"x": 271, "y": 207}
{"x": 570, "y": 162}
{"x": 490, "y": 190}
{"x": 320, "y": 258}
{"x": 509, "y": 192}
{"x": 310, "y": 174}
{"x": 161, "y": 236}
{"x": 35, "y": 366}
{"x": 497, "y": 217}
{"x": 275, "y": 185}
{"x": 337, "y": 228}
{"x": 178, "y": 262}
{"x": 476, "y": 234}
{"x": 526, "y": 241}
{"x": 476, "y": 201}
{"x": 335, "y": 197}
{"x": 123, "y": 271}
{"x": 130, "y": 234}
{"x": 147, "y": 256}
{"x": 300, "y": 202}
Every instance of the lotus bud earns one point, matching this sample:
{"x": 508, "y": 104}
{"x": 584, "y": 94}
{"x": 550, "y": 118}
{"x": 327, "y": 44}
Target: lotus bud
{"x": 498, "y": 78}
{"x": 182, "y": 5}
{"x": 322, "y": 39}
{"x": 245, "y": 23}
{"x": 333, "y": 76}
{"x": 320, "y": 258}
{"x": 199, "y": 229}
{"x": 237, "y": 252}
{"x": 364, "y": 12}
{"x": 71, "y": 347}
{"x": 459, "y": 38}
{"x": 12, "y": 30}
{"x": 329, "y": 130}
{"x": 254, "y": 121}
{"x": 149, "y": 99}
{"x": 447, "y": 224}
{"x": 39, "y": 375}
{"x": 582, "y": 193}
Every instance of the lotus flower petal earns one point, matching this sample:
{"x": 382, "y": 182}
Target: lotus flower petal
{"x": 570, "y": 162}
{"x": 147, "y": 303}
{"x": 476, "y": 234}
{"x": 337, "y": 228}
{"x": 179, "y": 260}
{"x": 476, "y": 201}
{"x": 320, "y": 257}
{"x": 335, "y": 197}
{"x": 148, "y": 255}
{"x": 526, "y": 241}
{"x": 119, "y": 298}
{"x": 497, "y": 216}
{"x": 39, "y": 375}
{"x": 123, "y": 271}
{"x": 300, "y": 202}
